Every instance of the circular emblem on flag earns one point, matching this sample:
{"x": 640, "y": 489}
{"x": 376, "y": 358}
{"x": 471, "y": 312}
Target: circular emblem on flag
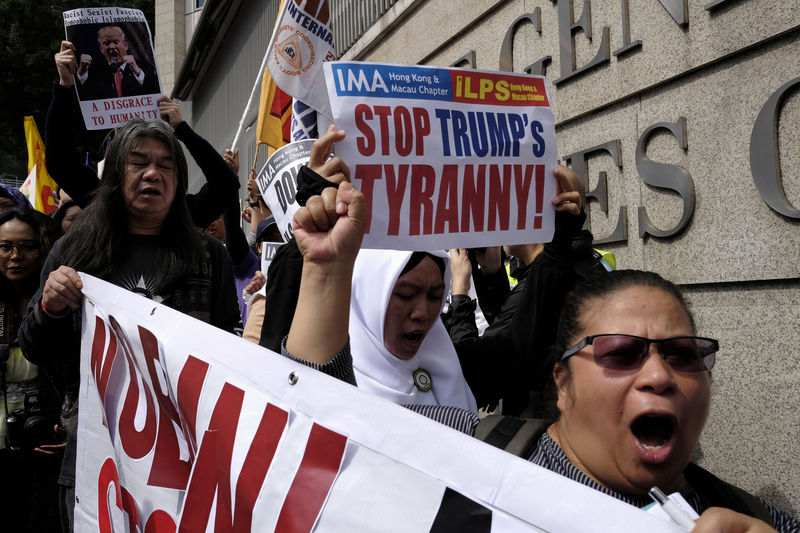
{"x": 423, "y": 380}
{"x": 294, "y": 52}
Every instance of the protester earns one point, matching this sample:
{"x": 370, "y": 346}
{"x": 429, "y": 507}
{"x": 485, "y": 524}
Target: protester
{"x": 254, "y": 295}
{"x": 117, "y": 74}
{"x": 28, "y": 494}
{"x": 256, "y": 210}
{"x": 226, "y": 229}
{"x": 401, "y": 350}
{"x": 508, "y": 362}
{"x": 66, "y": 166}
{"x": 66, "y": 215}
{"x": 628, "y": 421}
{"x": 136, "y": 233}
{"x": 11, "y": 198}
{"x": 283, "y": 279}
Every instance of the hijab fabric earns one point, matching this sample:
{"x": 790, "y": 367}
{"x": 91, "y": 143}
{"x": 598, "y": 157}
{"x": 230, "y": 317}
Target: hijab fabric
{"x": 376, "y": 369}
{"x": 15, "y": 196}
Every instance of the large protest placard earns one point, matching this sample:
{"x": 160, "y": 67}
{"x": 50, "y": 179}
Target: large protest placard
{"x": 185, "y": 427}
{"x": 277, "y": 182}
{"x": 117, "y": 78}
{"x": 446, "y": 157}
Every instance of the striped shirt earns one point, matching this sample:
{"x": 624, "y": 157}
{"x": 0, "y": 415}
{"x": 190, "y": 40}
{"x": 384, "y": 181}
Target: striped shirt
{"x": 549, "y": 455}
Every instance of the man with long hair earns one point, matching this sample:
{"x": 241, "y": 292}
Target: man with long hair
{"x": 136, "y": 233}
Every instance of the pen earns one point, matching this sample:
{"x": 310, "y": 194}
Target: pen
{"x": 677, "y": 514}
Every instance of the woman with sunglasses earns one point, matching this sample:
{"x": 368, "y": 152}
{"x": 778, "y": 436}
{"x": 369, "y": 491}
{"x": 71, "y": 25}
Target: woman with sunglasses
{"x": 632, "y": 376}
{"x": 633, "y": 386}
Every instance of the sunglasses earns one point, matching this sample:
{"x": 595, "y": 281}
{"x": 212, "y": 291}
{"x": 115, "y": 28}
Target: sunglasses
{"x": 628, "y": 352}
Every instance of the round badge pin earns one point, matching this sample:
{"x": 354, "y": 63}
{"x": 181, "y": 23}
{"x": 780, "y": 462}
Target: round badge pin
{"x": 423, "y": 380}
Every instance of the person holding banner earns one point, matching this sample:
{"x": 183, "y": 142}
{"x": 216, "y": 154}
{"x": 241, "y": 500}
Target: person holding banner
{"x": 136, "y": 233}
{"x": 632, "y": 377}
{"x": 80, "y": 181}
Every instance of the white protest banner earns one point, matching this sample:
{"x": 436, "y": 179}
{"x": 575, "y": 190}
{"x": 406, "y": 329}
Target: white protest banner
{"x": 446, "y": 157}
{"x": 184, "y": 427}
{"x": 277, "y": 182}
{"x": 117, "y": 78}
{"x": 302, "y": 41}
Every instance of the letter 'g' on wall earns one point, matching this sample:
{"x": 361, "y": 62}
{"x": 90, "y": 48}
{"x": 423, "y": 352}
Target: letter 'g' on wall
{"x": 765, "y": 162}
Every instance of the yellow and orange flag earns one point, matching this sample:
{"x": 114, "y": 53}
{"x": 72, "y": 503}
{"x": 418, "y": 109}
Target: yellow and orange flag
{"x": 274, "y": 112}
{"x": 40, "y": 186}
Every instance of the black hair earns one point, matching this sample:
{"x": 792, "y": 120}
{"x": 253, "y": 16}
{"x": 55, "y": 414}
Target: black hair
{"x": 570, "y": 324}
{"x": 603, "y": 285}
{"x": 417, "y": 257}
{"x": 36, "y": 224}
{"x": 96, "y": 242}
{"x": 40, "y": 231}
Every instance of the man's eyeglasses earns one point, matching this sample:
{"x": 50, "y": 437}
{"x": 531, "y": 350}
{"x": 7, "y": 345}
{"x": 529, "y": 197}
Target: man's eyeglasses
{"x": 23, "y": 247}
{"x": 628, "y": 352}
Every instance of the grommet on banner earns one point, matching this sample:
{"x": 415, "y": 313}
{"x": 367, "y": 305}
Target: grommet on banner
{"x": 293, "y": 377}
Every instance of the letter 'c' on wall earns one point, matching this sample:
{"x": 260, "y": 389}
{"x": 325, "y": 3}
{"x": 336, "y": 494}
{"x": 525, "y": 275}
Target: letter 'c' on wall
{"x": 765, "y": 163}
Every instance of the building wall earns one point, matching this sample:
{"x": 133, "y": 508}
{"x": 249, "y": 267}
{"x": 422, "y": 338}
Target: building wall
{"x": 219, "y": 102}
{"x": 170, "y": 41}
{"x": 688, "y": 96}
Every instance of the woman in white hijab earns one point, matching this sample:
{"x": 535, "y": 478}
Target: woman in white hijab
{"x": 401, "y": 350}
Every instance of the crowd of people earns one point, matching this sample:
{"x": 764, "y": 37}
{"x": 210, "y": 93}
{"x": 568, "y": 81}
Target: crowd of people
{"x": 605, "y": 366}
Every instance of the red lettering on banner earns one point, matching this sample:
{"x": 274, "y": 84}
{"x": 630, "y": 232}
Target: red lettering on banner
{"x": 423, "y": 182}
{"x": 313, "y": 480}
{"x": 522, "y": 187}
{"x": 537, "y": 220}
{"x": 159, "y": 522}
{"x": 256, "y": 464}
{"x": 212, "y": 468}
{"x": 167, "y": 470}
{"x": 422, "y": 128}
{"x": 462, "y": 198}
{"x": 472, "y": 201}
{"x": 367, "y": 174}
{"x": 102, "y": 359}
{"x": 447, "y": 206}
{"x": 403, "y": 134}
{"x": 190, "y": 384}
{"x": 410, "y": 129}
{"x": 129, "y": 506}
{"x": 108, "y": 474}
{"x": 499, "y": 193}
{"x": 136, "y": 443}
{"x": 383, "y": 112}
{"x": 395, "y": 192}
{"x": 365, "y": 144}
